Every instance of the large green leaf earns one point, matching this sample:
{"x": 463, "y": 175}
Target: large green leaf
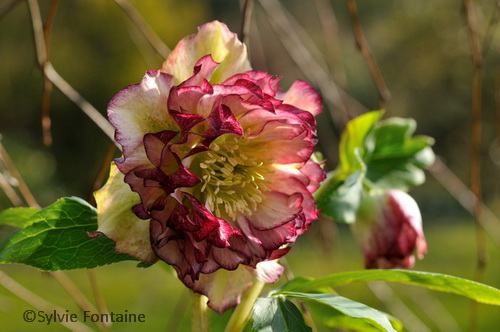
{"x": 347, "y": 307}
{"x": 277, "y": 314}
{"x": 55, "y": 238}
{"x": 328, "y": 317}
{"x": 435, "y": 281}
{"x": 17, "y": 217}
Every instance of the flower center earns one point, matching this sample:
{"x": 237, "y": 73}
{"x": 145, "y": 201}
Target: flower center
{"x": 232, "y": 181}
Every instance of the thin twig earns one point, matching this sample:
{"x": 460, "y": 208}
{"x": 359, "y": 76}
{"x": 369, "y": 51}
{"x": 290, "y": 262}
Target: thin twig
{"x": 58, "y": 81}
{"x": 359, "y": 35}
{"x": 9, "y": 191}
{"x": 7, "y": 7}
{"x": 81, "y": 102}
{"x": 475, "y": 166}
{"x": 144, "y": 28}
{"x": 23, "y": 188}
{"x": 331, "y": 38}
{"x": 306, "y": 62}
{"x": 246, "y": 22}
{"x": 77, "y": 295}
{"x": 465, "y": 197}
{"x": 396, "y": 306}
{"x": 39, "y": 303}
{"x": 47, "y": 84}
{"x": 99, "y": 299}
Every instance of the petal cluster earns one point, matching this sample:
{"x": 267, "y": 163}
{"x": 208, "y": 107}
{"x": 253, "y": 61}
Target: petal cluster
{"x": 219, "y": 165}
{"x": 389, "y": 230}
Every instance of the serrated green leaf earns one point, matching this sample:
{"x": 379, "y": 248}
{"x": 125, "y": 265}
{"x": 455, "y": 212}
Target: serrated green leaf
{"x": 435, "y": 281}
{"x": 277, "y": 314}
{"x": 341, "y": 201}
{"x": 354, "y": 138}
{"x": 347, "y": 307}
{"x": 55, "y": 238}
{"x": 17, "y": 216}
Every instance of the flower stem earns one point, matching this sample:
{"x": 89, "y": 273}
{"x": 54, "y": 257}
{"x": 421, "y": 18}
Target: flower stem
{"x": 242, "y": 311}
{"x": 200, "y": 314}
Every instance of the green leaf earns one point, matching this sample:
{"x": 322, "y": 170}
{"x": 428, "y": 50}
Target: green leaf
{"x": 435, "y": 281}
{"x": 397, "y": 158}
{"x": 341, "y": 200}
{"x": 347, "y": 307}
{"x": 354, "y": 138}
{"x": 55, "y": 238}
{"x": 17, "y": 217}
{"x": 328, "y": 317}
{"x": 277, "y": 314}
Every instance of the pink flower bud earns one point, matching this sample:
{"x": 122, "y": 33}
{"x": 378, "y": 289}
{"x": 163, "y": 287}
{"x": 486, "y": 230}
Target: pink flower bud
{"x": 389, "y": 230}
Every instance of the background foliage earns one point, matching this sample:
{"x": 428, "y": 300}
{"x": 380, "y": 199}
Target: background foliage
{"x": 422, "y": 49}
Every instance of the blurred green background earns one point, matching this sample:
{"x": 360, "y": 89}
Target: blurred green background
{"x": 423, "y": 52}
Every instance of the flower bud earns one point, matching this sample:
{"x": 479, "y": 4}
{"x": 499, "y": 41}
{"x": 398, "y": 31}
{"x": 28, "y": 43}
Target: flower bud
{"x": 389, "y": 229}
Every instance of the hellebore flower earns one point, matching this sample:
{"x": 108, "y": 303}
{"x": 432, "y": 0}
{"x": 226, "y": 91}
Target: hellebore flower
{"x": 389, "y": 230}
{"x": 218, "y": 163}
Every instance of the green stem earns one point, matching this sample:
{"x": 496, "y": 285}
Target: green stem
{"x": 200, "y": 314}
{"x": 242, "y": 311}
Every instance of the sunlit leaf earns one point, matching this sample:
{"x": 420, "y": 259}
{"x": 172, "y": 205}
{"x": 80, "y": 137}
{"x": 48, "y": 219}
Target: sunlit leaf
{"x": 277, "y": 314}
{"x": 17, "y": 216}
{"x": 435, "y": 281}
{"x": 347, "y": 307}
{"x": 55, "y": 238}
{"x": 354, "y": 138}
{"x": 326, "y": 316}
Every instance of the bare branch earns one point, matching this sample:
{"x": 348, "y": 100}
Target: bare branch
{"x": 23, "y": 188}
{"x": 39, "y": 303}
{"x": 465, "y": 197}
{"x": 144, "y": 28}
{"x": 58, "y": 81}
{"x": 47, "y": 84}
{"x": 77, "y": 295}
{"x": 383, "y": 91}
{"x": 314, "y": 72}
{"x": 246, "y": 22}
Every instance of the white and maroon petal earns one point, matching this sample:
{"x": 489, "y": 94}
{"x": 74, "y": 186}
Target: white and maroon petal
{"x": 281, "y": 143}
{"x": 223, "y": 288}
{"x": 276, "y": 209}
{"x": 223, "y": 121}
{"x": 117, "y": 221}
{"x": 154, "y": 145}
{"x": 273, "y": 239}
{"x": 302, "y": 95}
{"x": 202, "y": 72}
{"x": 290, "y": 180}
{"x": 315, "y": 173}
{"x": 268, "y": 271}
{"x": 212, "y": 38}
{"x": 141, "y": 109}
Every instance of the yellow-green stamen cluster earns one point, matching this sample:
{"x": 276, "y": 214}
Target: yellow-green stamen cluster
{"x": 232, "y": 181}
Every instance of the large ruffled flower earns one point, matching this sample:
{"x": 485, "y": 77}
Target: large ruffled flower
{"x": 218, "y": 160}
